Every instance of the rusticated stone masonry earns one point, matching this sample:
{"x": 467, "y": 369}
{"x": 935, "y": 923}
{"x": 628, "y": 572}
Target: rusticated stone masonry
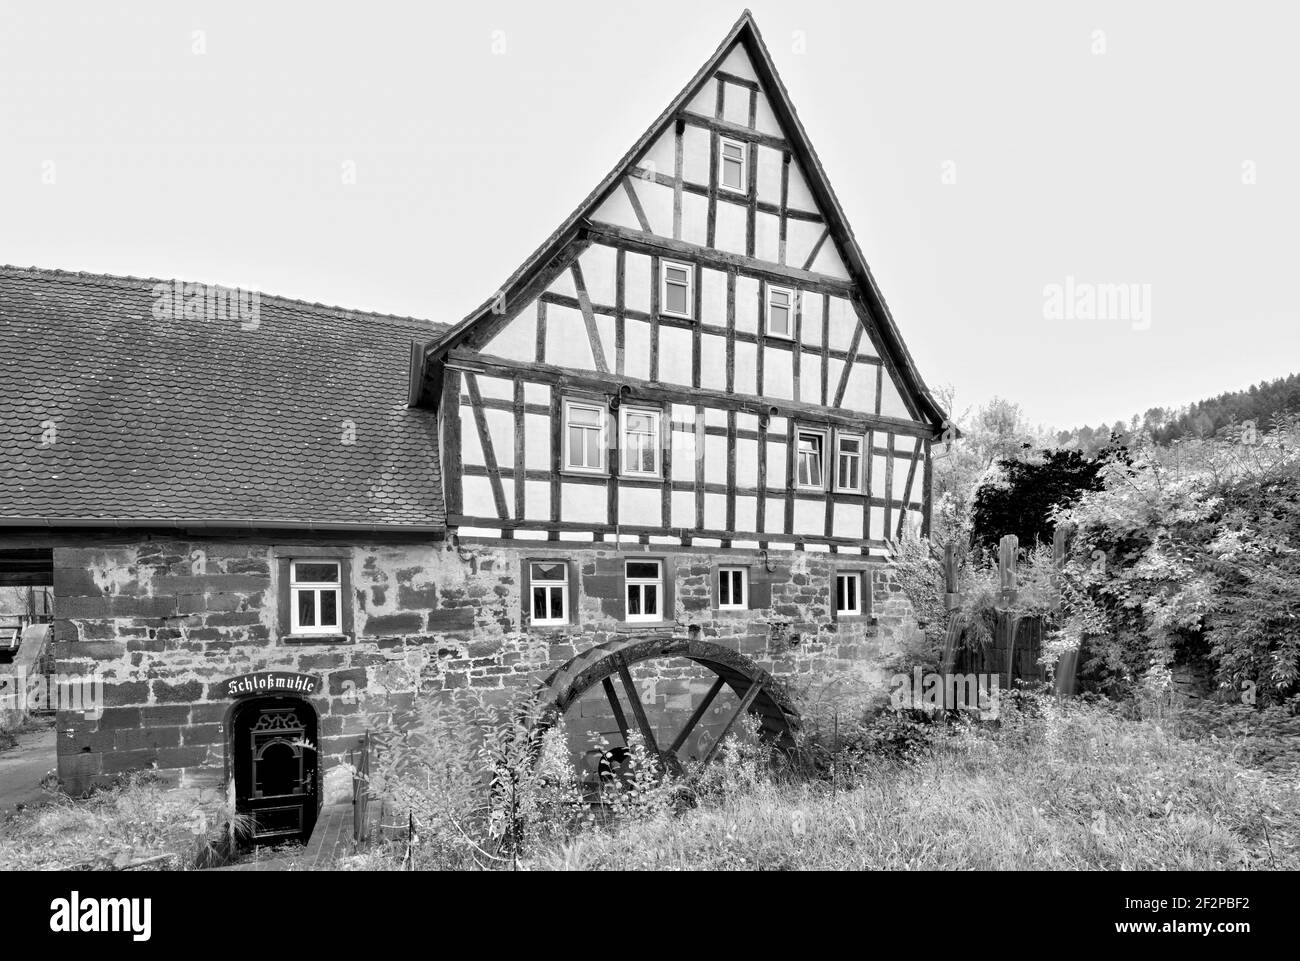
{"x": 165, "y": 622}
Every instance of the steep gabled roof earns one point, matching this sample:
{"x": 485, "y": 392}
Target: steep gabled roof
{"x": 201, "y": 422}
{"x": 744, "y": 32}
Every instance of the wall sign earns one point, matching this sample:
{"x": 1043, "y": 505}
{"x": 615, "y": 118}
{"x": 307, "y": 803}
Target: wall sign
{"x": 272, "y": 682}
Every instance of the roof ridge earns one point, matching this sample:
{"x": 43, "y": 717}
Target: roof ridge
{"x": 125, "y": 280}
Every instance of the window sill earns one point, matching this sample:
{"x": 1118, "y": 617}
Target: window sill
{"x": 601, "y": 474}
{"x": 325, "y": 639}
{"x": 856, "y": 618}
{"x": 626, "y": 626}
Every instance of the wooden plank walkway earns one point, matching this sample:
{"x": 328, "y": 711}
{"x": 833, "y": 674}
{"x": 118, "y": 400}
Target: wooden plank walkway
{"x": 330, "y": 839}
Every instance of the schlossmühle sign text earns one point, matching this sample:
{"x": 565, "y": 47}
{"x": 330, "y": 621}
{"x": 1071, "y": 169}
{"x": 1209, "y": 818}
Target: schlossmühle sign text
{"x": 272, "y": 682}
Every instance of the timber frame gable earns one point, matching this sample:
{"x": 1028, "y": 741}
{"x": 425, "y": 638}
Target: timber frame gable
{"x": 758, "y": 298}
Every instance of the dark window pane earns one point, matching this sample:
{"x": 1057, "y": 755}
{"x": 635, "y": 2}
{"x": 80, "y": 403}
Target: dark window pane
{"x": 539, "y": 603}
{"x": 557, "y": 603}
{"x": 651, "y": 599}
{"x": 724, "y": 588}
{"x": 306, "y": 608}
{"x": 633, "y": 599}
{"x": 642, "y": 568}
{"x": 676, "y": 299}
{"x": 329, "y": 607}
{"x": 839, "y": 593}
{"x": 316, "y": 573}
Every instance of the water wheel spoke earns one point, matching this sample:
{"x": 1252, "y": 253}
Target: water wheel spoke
{"x": 696, "y": 716}
{"x": 638, "y": 711}
{"x": 741, "y": 708}
{"x": 619, "y": 717}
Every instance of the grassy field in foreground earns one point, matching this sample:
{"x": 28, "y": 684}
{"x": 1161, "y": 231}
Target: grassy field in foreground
{"x": 1080, "y": 790}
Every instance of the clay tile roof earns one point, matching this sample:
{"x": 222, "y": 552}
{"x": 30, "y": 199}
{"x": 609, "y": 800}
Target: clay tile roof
{"x": 161, "y": 420}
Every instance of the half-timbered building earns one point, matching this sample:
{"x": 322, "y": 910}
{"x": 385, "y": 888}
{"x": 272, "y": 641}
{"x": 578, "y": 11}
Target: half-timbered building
{"x": 673, "y": 450}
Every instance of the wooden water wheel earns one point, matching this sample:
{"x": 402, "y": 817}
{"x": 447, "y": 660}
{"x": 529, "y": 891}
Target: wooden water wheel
{"x": 757, "y": 691}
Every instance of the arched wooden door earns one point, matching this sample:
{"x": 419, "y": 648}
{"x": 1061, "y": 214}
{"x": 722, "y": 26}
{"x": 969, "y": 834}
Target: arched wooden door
{"x": 273, "y": 740}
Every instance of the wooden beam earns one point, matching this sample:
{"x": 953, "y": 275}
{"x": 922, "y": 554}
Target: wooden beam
{"x": 683, "y": 533}
{"x": 638, "y": 710}
{"x": 702, "y": 190}
{"x": 848, "y": 367}
{"x": 589, "y": 319}
{"x": 642, "y": 242}
{"x": 520, "y": 465}
{"x": 617, "y": 709}
{"x": 817, "y": 248}
{"x": 696, "y": 716}
{"x": 449, "y": 408}
{"x": 485, "y": 441}
{"x": 474, "y": 362}
{"x": 750, "y": 695}
{"x": 733, "y": 130}
{"x": 637, "y": 209}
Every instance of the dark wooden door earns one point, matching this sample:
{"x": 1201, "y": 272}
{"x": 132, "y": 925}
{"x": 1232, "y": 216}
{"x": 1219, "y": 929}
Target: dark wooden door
{"x": 275, "y": 768}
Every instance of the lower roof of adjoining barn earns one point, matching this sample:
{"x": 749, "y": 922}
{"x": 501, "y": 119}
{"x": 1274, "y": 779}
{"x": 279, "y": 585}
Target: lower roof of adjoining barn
{"x": 114, "y": 413}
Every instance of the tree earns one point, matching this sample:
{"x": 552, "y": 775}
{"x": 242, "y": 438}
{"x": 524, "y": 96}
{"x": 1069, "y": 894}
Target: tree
{"x": 1023, "y": 499}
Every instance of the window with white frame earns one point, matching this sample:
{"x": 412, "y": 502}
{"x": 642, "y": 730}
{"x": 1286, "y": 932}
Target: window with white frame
{"x": 548, "y": 582}
{"x": 810, "y": 451}
{"x": 640, "y": 441}
{"x": 315, "y": 597}
{"x": 676, "y": 294}
{"x": 584, "y": 436}
{"x": 848, "y": 462}
{"x": 780, "y": 312}
{"x": 645, "y": 588}
{"x": 732, "y": 174}
{"x": 848, "y": 592}
{"x": 733, "y": 588}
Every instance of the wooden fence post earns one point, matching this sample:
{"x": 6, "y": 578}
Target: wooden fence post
{"x": 951, "y": 597}
{"x": 1060, "y": 542}
{"x": 1008, "y": 549}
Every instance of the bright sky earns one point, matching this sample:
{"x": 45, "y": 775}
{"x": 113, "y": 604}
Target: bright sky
{"x": 1103, "y": 142}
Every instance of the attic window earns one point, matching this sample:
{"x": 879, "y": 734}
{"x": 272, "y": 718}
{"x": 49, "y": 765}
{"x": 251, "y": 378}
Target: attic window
{"x": 732, "y": 174}
{"x": 677, "y": 287}
{"x": 780, "y": 312}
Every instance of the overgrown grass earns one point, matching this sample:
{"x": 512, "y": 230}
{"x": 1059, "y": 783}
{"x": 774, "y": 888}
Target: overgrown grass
{"x": 1074, "y": 788}
{"x": 137, "y": 823}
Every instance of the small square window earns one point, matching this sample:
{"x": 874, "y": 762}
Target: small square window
{"x": 810, "y": 465}
{"x": 848, "y": 592}
{"x": 733, "y": 588}
{"x": 584, "y": 437}
{"x": 848, "y": 462}
{"x": 640, "y": 441}
{"x": 315, "y": 597}
{"x": 780, "y": 312}
{"x": 548, "y": 585}
{"x": 645, "y": 588}
{"x": 733, "y": 166}
{"x": 677, "y": 289}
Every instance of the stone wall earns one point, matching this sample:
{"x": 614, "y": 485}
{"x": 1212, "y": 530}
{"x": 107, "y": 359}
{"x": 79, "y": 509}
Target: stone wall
{"x": 164, "y": 622}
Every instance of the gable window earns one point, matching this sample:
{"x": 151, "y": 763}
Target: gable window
{"x": 732, "y": 174}
{"x": 676, "y": 295}
{"x": 549, "y": 584}
{"x": 733, "y": 588}
{"x": 640, "y": 430}
{"x": 810, "y": 450}
{"x": 780, "y": 312}
{"x": 848, "y": 462}
{"x": 315, "y": 597}
{"x": 584, "y": 431}
{"x": 645, "y": 588}
{"x": 848, "y": 592}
